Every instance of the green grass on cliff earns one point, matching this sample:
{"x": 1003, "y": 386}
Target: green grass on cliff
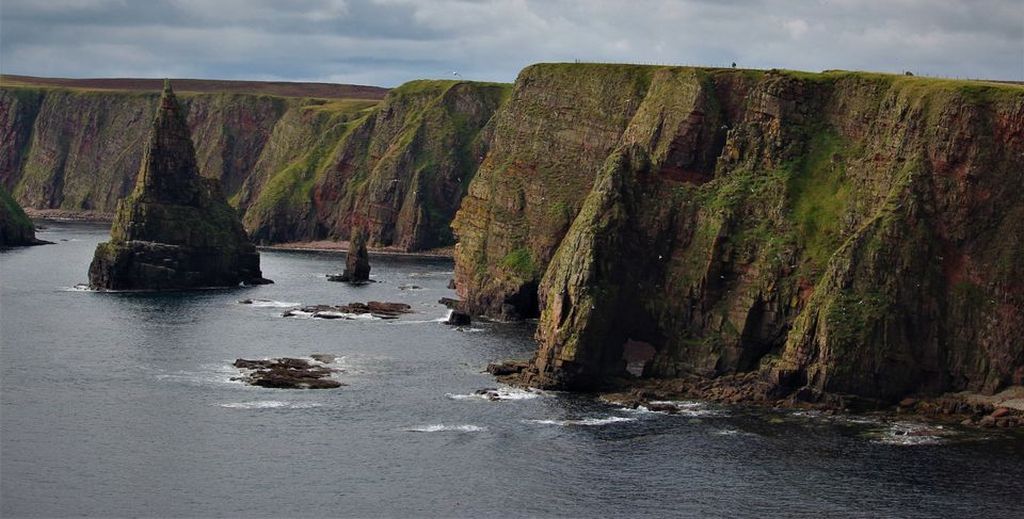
{"x": 520, "y": 262}
{"x": 819, "y": 196}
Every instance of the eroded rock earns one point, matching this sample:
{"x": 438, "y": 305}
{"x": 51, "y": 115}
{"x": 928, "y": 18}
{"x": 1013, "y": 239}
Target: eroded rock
{"x": 176, "y": 230}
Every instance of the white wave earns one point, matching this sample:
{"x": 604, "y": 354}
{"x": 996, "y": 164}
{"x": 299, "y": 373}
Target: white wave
{"x": 269, "y": 404}
{"x": 727, "y": 432}
{"x": 211, "y": 374}
{"x": 445, "y": 428}
{"x": 691, "y": 408}
{"x": 329, "y": 315}
{"x": 501, "y": 393}
{"x": 908, "y": 433}
{"x": 270, "y": 303}
{"x": 584, "y": 421}
{"x": 81, "y": 287}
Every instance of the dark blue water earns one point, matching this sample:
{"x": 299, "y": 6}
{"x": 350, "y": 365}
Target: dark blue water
{"x": 121, "y": 405}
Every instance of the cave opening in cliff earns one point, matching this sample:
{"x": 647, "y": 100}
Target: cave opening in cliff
{"x": 637, "y": 356}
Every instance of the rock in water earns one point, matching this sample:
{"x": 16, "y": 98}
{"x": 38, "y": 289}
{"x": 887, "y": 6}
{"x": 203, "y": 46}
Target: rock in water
{"x": 357, "y": 261}
{"x": 176, "y": 229}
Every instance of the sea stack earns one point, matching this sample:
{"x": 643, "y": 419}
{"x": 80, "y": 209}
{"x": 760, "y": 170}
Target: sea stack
{"x": 176, "y": 229}
{"x": 357, "y": 260}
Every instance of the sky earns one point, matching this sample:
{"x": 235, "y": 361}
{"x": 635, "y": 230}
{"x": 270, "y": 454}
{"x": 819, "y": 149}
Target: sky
{"x": 387, "y": 42}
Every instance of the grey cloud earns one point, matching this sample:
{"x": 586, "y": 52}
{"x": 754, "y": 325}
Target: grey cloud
{"x": 387, "y": 42}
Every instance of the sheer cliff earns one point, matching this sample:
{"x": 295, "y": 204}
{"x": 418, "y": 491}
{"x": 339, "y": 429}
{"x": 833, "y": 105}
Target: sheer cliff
{"x": 844, "y": 232}
{"x": 296, "y": 168}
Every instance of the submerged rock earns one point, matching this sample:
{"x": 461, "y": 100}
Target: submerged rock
{"x": 376, "y": 309}
{"x": 287, "y": 373}
{"x": 507, "y": 367}
{"x": 176, "y": 230}
{"x": 357, "y": 261}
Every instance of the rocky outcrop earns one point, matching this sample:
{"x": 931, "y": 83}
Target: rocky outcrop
{"x": 835, "y": 233}
{"x": 288, "y": 373}
{"x": 15, "y": 227}
{"x": 175, "y": 230}
{"x": 376, "y": 309}
{"x": 297, "y": 168}
{"x": 357, "y": 261}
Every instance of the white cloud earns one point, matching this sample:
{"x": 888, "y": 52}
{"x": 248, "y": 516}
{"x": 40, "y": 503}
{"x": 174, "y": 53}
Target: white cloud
{"x": 390, "y": 41}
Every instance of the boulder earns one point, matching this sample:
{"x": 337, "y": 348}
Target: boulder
{"x": 176, "y": 229}
{"x": 458, "y": 318}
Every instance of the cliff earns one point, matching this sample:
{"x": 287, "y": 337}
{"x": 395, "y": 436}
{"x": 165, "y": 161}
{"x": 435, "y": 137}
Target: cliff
{"x": 176, "y": 230}
{"x": 839, "y": 232}
{"x": 399, "y": 172}
{"x": 296, "y": 168}
{"x": 15, "y": 227}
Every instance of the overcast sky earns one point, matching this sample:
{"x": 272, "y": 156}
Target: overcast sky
{"x": 387, "y": 42}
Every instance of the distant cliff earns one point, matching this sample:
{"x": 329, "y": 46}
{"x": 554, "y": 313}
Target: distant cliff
{"x": 848, "y": 232}
{"x": 297, "y": 168}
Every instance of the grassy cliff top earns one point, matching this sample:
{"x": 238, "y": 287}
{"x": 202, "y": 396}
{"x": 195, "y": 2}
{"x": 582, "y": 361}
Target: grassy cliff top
{"x": 276, "y": 88}
{"x": 824, "y": 76}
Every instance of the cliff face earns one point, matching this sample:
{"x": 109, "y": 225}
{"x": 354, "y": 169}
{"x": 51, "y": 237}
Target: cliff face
{"x": 298, "y": 169}
{"x": 399, "y": 172}
{"x": 852, "y": 233}
{"x": 176, "y": 230}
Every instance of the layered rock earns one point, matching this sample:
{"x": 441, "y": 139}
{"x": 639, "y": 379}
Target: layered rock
{"x": 15, "y": 227}
{"x": 399, "y": 173}
{"x": 175, "y": 230}
{"x": 838, "y": 232}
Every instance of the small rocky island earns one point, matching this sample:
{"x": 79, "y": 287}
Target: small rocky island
{"x": 357, "y": 261}
{"x": 289, "y": 373}
{"x": 176, "y": 229}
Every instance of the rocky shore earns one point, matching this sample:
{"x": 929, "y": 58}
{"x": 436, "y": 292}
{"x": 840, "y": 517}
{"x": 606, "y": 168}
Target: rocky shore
{"x": 1001, "y": 410}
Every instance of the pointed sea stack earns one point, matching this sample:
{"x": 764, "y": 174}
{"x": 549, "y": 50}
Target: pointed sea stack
{"x": 176, "y": 229}
{"x": 357, "y": 260}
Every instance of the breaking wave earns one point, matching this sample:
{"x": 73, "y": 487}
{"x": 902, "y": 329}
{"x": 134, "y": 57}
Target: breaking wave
{"x": 268, "y": 404}
{"x": 447, "y": 428}
{"x": 584, "y": 421}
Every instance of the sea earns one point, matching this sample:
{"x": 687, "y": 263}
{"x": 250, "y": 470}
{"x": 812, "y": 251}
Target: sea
{"x": 127, "y": 405}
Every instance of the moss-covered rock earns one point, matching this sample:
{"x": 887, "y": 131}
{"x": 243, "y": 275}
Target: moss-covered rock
{"x": 15, "y": 227}
{"x": 175, "y": 230}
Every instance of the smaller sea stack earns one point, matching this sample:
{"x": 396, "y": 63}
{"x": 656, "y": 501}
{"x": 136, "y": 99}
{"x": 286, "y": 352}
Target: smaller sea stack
{"x": 176, "y": 230}
{"x": 357, "y": 260}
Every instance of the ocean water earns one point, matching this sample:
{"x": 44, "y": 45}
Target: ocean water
{"x": 122, "y": 405}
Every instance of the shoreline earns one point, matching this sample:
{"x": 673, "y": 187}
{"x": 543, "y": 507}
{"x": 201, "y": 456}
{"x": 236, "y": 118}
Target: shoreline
{"x": 63, "y": 215}
{"x": 1003, "y": 410}
{"x": 328, "y": 246}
